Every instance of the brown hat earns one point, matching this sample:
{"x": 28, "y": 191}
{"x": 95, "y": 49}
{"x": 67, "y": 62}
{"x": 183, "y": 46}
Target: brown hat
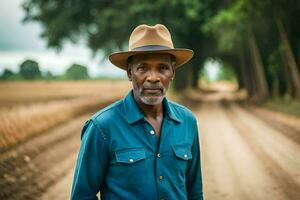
{"x": 150, "y": 39}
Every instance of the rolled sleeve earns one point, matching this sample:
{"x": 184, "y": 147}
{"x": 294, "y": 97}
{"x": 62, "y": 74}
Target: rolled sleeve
{"x": 193, "y": 173}
{"x": 91, "y": 163}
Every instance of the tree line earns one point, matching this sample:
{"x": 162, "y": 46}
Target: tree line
{"x": 259, "y": 40}
{"x": 30, "y": 70}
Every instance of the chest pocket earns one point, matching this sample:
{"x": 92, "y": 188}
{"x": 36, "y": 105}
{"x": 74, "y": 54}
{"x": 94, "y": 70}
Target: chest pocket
{"x": 182, "y": 152}
{"x": 130, "y": 167}
{"x": 130, "y": 156}
{"x": 181, "y": 155}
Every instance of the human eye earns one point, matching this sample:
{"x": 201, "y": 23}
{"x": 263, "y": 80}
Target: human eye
{"x": 140, "y": 68}
{"x": 165, "y": 67}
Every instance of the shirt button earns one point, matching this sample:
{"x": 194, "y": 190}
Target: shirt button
{"x": 130, "y": 160}
{"x": 152, "y": 132}
{"x": 158, "y": 155}
{"x": 161, "y": 178}
{"x": 185, "y": 155}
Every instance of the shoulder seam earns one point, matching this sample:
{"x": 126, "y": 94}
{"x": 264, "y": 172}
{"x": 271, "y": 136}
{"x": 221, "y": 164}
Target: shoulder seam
{"x": 99, "y": 128}
{"x": 117, "y": 104}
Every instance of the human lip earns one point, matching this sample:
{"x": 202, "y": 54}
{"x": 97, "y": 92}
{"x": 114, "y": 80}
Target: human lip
{"x": 153, "y": 90}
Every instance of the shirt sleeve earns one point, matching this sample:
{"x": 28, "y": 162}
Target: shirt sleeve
{"x": 193, "y": 173}
{"x": 91, "y": 163}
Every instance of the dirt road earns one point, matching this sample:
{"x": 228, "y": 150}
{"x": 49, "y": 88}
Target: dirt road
{"x": 244, "y": 156}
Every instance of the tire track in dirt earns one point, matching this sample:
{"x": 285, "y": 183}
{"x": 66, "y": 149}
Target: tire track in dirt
{"x": 219, "y": 175}
{"x": 274, "y": 119}
{"x": 282, "y": 169}
{"x": 30, "y": 169}
{"x": 245, "y": 158}
{"x": 242, "y": 158}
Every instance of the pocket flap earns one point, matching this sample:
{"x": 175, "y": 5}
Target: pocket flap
{"x": 182, "y": 151}
{"x": 130, "y": 156}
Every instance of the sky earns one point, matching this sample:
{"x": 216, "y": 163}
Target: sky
{"x": 19, "y": 41}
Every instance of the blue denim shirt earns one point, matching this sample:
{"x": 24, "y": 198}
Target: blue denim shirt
{"x": 121, "y": 156}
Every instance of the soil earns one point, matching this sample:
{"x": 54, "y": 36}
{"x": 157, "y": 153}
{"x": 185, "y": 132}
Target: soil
{"x": 246, "y": 154}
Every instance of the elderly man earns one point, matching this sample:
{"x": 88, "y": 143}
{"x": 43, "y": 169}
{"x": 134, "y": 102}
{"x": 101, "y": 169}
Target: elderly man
{"x": 143, "y": 147}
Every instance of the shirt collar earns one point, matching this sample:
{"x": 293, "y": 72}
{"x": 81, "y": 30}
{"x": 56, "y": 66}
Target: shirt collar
{"x": 134, "y": 114}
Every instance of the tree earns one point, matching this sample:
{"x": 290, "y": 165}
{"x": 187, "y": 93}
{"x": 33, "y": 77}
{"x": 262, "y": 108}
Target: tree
{"x": 77, "y": 72}
{"x": 234, "y": 30}
{"x": 247, "y": 31}
{"x": 29, "y": 70}
{"x": 106, "y": 25}
{"x": 7, "y": 75}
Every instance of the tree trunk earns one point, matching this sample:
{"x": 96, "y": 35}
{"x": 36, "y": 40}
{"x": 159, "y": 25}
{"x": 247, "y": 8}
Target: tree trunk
{"x": 244, "y": 75}
{"x": 287, "y": 76}
{"x": 195, "y": 72}
{"x": 275, "y": 89}
{"x": 253, "y": 89}
{"x": 262, "y": 87}
{"x": 183, "y": 78}
{"x": 290, "y": 58}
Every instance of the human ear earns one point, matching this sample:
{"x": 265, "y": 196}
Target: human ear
{"x": 129, "y": 75}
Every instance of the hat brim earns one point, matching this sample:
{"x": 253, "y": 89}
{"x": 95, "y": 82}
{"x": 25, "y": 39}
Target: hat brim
{"x": 182, "y": 56}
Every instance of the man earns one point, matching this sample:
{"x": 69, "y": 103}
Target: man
{"x": 143, "y": 147}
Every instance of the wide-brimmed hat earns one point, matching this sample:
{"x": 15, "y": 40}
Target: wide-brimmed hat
{"x": 150, "y": 39}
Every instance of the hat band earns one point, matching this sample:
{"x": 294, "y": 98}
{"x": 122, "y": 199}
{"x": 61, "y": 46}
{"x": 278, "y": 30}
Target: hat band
{"x": 151, "y": 48}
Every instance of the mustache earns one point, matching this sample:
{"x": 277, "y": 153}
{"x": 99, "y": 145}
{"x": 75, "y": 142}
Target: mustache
{"x": 153, "y": 87}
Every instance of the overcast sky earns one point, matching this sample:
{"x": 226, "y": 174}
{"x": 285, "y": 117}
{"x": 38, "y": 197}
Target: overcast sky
{"x": 19, "y": 42}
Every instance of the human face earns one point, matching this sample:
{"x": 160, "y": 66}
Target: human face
{"x": 151, "y": 75}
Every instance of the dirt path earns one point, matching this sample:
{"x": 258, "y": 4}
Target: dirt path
{"x": 243, "y": 157}
{"x": 39, "y": 164}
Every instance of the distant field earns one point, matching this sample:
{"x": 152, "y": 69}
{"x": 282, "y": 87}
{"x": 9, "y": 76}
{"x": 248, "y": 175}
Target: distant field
{"x": 12, "y": 93}
{"x": 30, "y": 108}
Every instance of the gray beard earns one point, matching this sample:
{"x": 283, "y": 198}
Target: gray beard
{"x": 150, "y": 101}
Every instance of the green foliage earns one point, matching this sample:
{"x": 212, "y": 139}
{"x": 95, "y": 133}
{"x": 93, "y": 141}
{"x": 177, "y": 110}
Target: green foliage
{"x": 7, "y": 75}
{"x": 226, "y": 73}
{"x": 284, "y": 104}
{"x": 77, "y": 72}
{"x": 229, "y": 25}
{"x": 211, "y": 28}
{"x": 29, "y": 70}
{"x": 106, "y": 25}
{"x": 277, "y": 80}
{"x": 217, "y": 70}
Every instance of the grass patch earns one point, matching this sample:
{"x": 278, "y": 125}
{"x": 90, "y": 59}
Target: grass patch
{"x": 285, "y": 104}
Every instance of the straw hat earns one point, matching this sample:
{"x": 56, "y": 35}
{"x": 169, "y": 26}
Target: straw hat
{"x": 150, "y": 39}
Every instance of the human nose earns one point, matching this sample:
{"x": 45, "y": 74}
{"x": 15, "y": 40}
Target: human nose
{"x": 153, "y": 76}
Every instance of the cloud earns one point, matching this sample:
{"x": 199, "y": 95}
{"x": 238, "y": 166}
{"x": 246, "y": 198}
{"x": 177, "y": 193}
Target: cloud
{"x": 14, "y": 34}
{"x": 19, "y": 41}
